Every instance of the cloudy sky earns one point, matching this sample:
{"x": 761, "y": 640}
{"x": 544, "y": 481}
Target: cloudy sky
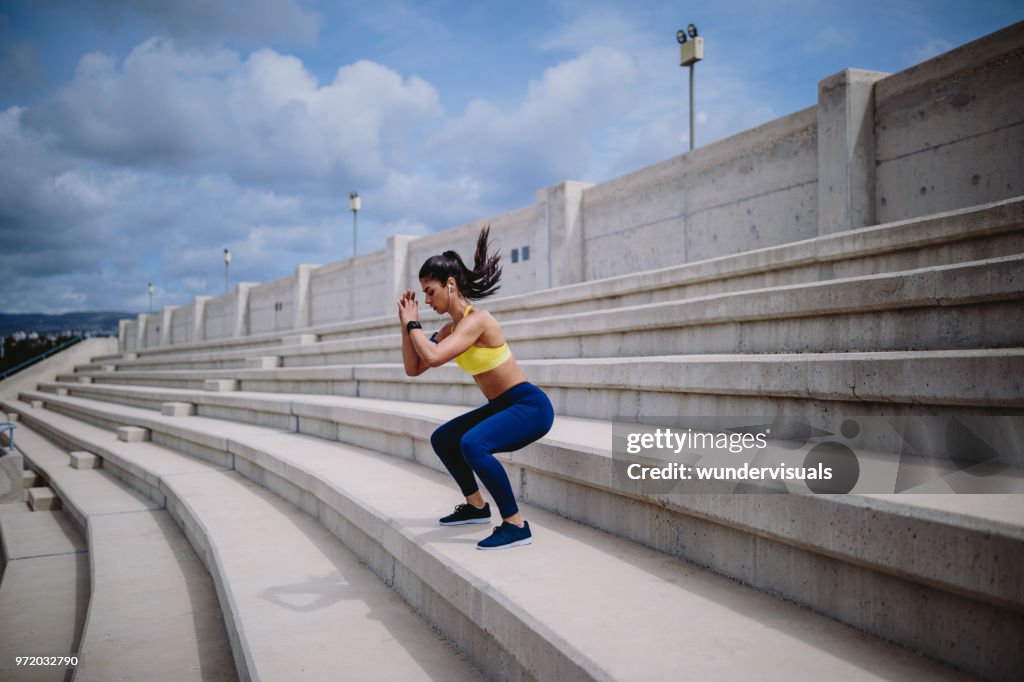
{"x": 139, "y": 138}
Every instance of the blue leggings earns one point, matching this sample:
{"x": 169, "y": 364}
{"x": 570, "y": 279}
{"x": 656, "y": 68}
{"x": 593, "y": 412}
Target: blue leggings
{"x": 467, "y": 444}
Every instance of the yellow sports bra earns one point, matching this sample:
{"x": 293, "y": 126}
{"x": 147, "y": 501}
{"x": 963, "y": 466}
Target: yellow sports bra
{"x": 479, "y": 359}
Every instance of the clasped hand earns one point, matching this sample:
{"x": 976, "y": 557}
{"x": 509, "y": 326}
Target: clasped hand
{"x": 408, "y": 308}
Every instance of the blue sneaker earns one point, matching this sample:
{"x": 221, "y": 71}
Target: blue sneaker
{"x": 507, "y": 535}
{"x": 467, "y": 513}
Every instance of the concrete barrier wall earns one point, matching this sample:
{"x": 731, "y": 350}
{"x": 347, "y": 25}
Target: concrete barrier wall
{"x": 950, "y": 132}
{"x": 220, "y": 317}
{"x": 272, "y": 306}
{"x": 513, "y": 230}
{"x": 182, "y": 324}
{"x": 945, "y": 134}
{"x": 752, "y": 190}
{"x": 349, "y": 289}
{"x": 152, "y": 331}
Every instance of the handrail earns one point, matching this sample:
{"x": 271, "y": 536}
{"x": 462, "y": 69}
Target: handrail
{"x": 41, "y": 356}
{"x": 9, "y": 426}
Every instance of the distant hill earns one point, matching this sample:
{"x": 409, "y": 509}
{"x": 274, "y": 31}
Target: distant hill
{"x": 103, "y": 322}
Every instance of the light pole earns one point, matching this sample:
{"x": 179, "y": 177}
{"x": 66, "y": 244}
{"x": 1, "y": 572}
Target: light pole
{"x": 691, "y": 51}
{"x": 354, "y": 204}
{"x": 227, "y": 269}
{"x": 150, "y": 290}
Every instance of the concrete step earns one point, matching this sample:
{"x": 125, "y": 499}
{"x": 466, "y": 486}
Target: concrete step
{"x": 296, "y": 603}
{"x": 979, "y": 304}
{"x": 757, "y": 539}
{"x": 153, "y": 604}
{"x": 44, "y": 590}
{"x": 821, "y": 388}
{"x": 981, "y": 232}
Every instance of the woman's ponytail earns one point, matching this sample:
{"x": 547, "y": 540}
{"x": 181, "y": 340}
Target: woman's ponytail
{"x": 480, "y": 282}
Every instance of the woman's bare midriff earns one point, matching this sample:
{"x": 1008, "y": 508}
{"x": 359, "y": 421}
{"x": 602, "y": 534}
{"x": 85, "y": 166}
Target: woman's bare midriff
{"x": 498, "y": 380}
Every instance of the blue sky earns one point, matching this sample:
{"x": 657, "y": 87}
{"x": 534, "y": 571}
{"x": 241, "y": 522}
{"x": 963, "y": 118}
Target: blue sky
{"x": 139, "y": 138}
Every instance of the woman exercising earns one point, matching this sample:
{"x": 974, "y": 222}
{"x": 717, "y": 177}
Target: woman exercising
{"x": 517, "y": 412}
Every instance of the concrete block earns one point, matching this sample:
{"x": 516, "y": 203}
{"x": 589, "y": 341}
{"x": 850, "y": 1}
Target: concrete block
{"x": 13, "y": 416}
{"x": 265, "y": 362}
{"x": 109, "y": 368}
{"x": 299, "y": 340}
{"x": 62, "y": 391}
{"x": 84, "y": 460}
{"x": 37, "y": 404}
{"x": 43, "y": 499}
{"x": 177, "y": 409}
{"x": 132, "y": 434}
{"x": 220, "y": 385}
{"x": 131, "y": 356}
{"x": 30, "y": 479}
{"x": 85, "y": 380}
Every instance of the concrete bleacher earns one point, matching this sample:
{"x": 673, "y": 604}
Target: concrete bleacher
{"x": 348, "y": 443}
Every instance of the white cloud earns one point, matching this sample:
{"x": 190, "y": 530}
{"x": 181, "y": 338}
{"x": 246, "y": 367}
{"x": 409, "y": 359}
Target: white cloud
{"x": 262, "y": 118}
{"x": 545, "y": 137}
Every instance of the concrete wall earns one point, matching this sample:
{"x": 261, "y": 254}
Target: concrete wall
{"x": 183, "y": 324}
{"x": 950, "y": 132}
{"x": 509, "y": 231}
{"x": 755, "y": 189}
{"x": 945, "y": 134}
{"x": 272, "y": 306}
{"x": 349, "y": 289}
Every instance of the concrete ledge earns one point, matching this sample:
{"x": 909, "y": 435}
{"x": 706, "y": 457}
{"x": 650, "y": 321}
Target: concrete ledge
{"x": 177, "y": 409}
{"x": 220, "y": 385}
{"x": 43, "y": 499}
{"x": 85, "y": 460}
{"x": 132, "y": 434}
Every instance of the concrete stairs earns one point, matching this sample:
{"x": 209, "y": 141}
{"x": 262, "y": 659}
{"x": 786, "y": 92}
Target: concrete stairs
{"x": 44, "y": 589}
{"x": 581, "y": 604}
{"x": 760, "y": 540}
{"x": 920, "y": 319}
{"x": 979, "y": 233}
{"x": 147, "y": 584}
{"x": 258, "y": 584}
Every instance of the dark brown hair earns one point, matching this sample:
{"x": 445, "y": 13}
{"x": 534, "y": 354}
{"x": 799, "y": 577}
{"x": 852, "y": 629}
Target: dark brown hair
{"x": 480, "y": 282}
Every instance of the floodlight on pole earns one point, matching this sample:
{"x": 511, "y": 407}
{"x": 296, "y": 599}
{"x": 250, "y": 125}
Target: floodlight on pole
{"x": 227, "y": 269}
{"x": 354, "y": 204}
{"x": 691, "y": 51}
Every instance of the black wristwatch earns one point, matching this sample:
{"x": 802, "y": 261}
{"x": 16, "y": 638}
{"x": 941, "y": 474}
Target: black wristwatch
{"x": 412, "y": 324}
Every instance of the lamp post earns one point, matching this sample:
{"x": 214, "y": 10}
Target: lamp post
{"x": 150, "y": 290}
{"x": 354, "y": 204}
{"x": 227, "y": 269}
{"x": 691, "y": 51}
